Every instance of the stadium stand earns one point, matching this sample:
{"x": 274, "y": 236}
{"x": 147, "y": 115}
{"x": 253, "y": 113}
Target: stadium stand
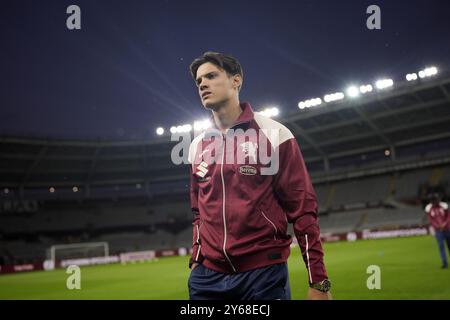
{"x": 372, "y": 161}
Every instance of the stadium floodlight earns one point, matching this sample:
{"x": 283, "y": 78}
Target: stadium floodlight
{"x": 411, "y": 76}
{"x": 270, "y": 112}
{"x": 365, "y": 88}
{"x": 309, "y": 103}
{"x": 302, "y": 105}
{"x": 202, "y": 125}
{"x": 160, "y": 131}
{"x": 384, "y": 83}
{"x": 352, "y": 92}
{"x": 275, "y": 111}
{"x": 333, "y": 97}
{"x": 316, "y": 102}
{"x": 184, "y": 128}
{"x": 431, "y": 71}
{"x": 181, "y": 128}
{"x": 428, "y": 72}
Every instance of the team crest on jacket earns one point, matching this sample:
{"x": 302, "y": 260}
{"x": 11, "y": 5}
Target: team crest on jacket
{"x": 248, "y": 170}
{"x": 249, "y": 148}
{"x": 202, "y": 169}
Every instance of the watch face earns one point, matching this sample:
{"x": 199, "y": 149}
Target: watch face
{"x": 326, "y": 285}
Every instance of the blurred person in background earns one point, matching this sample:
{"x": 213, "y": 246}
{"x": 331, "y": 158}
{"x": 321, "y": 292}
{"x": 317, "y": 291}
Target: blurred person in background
{"x": 439, "y": 218}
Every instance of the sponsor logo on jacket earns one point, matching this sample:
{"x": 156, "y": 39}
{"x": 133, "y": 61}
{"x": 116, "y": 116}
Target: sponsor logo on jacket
{"x": 248, "y": 170}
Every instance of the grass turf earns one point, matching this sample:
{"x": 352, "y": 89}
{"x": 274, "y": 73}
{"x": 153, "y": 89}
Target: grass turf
{"x": 410, "y": 269}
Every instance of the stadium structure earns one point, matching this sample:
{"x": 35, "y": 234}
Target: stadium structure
{"x": 373, "y": 159}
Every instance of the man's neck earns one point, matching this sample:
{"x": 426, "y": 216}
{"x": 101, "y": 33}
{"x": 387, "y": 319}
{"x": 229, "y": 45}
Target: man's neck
{"x": 226, "y": 116}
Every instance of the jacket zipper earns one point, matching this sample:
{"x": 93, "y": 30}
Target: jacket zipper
{"x": 198, "y": 240}
{"x": 223, "y": 208}
{"x": 273, "y": 225}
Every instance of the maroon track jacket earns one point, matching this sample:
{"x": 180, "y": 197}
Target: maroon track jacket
{"x": 438, "y": 215}
{"x": 241, "y": 215}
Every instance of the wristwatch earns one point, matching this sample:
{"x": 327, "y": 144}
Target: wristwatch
{"x": 324, "y": 285}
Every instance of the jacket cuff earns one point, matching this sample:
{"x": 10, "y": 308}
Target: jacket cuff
{"x": 192, "y": 261}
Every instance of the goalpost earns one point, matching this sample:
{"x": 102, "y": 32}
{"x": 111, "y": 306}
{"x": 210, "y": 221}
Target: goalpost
{"x": 78, "y": 251}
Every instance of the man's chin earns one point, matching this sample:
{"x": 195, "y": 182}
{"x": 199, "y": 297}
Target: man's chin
{"x": 210, "y": 105}
{"x": 213, "y": 105}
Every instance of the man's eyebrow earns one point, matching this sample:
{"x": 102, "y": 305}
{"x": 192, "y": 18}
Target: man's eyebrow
{"x": 197, "y": 80}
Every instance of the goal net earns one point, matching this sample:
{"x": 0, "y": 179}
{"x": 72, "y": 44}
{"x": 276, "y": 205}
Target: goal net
{"x": 60, "y": 252}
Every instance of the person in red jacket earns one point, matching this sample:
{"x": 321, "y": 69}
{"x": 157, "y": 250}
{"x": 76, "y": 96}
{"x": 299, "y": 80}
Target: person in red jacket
{"x": 439, "y": 217}
{"x": 248, "y": 181}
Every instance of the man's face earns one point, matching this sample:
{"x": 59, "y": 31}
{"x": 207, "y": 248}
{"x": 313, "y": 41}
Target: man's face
{"x": 214, "y": 85}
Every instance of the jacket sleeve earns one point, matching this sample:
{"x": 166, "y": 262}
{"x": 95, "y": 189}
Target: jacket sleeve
{"x": 446, "y": 220}
{"x": 448, "y": 217}
{"x": 298, "y": 199}
{"x": 196, "y": 246}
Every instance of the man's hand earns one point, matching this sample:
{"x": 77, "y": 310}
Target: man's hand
{"x": 194, "y": 265}
{"x": 314, "y": 294}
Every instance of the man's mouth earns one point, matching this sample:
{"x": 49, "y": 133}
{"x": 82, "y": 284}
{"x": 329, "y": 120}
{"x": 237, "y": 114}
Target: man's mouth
{"x": 205, "y": 94}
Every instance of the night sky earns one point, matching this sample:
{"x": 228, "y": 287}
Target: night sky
{"x": 126, "y": 71}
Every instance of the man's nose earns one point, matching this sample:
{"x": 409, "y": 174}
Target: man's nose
{"x": 203, "y": 86}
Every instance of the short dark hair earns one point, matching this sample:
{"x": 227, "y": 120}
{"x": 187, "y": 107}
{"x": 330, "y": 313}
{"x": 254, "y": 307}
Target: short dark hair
{"x": 226, "y": 62}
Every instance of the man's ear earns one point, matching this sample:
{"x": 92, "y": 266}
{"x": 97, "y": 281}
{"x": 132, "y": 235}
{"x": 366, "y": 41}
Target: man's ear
{"x": 237, "y": 81}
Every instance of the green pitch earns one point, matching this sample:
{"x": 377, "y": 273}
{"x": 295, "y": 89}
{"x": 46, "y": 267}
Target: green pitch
{"x": 410, "y": 269}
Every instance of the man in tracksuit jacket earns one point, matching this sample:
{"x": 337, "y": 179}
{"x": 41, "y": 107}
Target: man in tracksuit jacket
{"x": 242, "y": 203}
{"x": 439, "y": 218}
